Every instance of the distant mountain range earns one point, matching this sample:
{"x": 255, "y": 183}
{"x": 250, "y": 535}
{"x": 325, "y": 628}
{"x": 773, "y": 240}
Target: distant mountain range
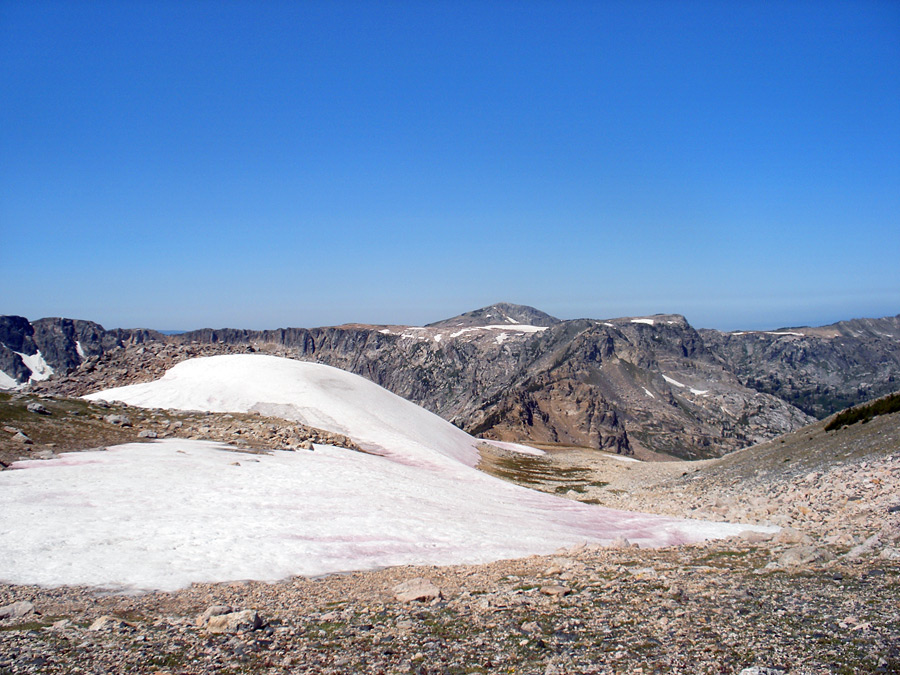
{"x": 647, "y": 386}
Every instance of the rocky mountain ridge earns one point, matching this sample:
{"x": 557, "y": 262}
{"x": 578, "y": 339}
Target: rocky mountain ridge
{"x": 647, "y": 386}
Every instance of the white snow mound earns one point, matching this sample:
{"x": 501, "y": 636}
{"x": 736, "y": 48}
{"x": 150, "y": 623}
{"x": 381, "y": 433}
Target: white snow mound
{"x": 314, "y": 394}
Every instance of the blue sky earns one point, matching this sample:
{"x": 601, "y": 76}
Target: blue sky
{"x": 188, "y": 164}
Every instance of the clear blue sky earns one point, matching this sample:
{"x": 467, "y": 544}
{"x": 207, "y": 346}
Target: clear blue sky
{"x": 264, "y": 164}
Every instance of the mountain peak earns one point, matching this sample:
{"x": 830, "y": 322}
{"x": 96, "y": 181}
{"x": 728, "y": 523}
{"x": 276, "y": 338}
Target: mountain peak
{"x": 500, "y": 313}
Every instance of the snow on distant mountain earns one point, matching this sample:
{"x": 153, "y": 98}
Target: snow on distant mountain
{"x": 166, "y": 514}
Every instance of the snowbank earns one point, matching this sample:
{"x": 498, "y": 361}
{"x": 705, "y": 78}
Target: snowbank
{"x": 165, "y": 514}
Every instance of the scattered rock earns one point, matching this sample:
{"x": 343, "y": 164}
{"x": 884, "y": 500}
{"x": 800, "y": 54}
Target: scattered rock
{"x": 555, "y": 590}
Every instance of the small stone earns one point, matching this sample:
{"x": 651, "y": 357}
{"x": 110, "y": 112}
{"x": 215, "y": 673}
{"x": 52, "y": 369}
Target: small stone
{"x": 22, "y": 439}
{"x": 755, "y": 537}
{"x": 555, "y": 590}
{"x": 890, "y": 553}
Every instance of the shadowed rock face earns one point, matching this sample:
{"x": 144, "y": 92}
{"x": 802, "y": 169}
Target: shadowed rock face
{"x": 64, "y": 344}
{"x": 632, "y": 385}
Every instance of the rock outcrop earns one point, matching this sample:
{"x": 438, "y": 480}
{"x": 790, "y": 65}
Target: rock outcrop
{"x": 819, "y": 370}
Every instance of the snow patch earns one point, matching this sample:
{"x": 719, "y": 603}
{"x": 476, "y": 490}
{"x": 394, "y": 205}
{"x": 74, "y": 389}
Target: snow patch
{"x": 80, "y": 350}
{"x": 620, "y": 458}
{"x": 675, "y": 382}
{"x": 648, "y": 392}
{"x": 40, "y": 369}
{"x": 520, "y": 327}
{"x": 515, "y": 447}
{"x": 7, "y": 382}
{"x": 649, "y": 322}
{"x": 699, "y": 392}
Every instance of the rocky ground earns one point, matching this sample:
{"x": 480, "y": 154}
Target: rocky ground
{"x": 822, "y": 596}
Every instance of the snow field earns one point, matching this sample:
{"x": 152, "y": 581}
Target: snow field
{"x": 162, "y": 515}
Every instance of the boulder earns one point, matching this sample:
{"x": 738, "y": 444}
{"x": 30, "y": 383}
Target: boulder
{"x": 788, "y": 535}
{"x": 220, "y": 619}
{"x": 16, "y": 610}
{"x": 801, "y": 556}
{"x": 107, "y": 622}
{"x": 118, "y": 420}
{"x": 555, "y": 590}
{"x": 416, "y": 590}
{"x": 22, "y": 438}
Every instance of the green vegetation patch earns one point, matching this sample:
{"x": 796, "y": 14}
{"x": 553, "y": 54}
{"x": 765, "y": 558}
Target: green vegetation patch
{"x": 864, "y": 413}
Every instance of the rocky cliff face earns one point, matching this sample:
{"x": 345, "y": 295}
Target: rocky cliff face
{"x": 819, "y": 370}
{"x": 32, "y": 351}
{"x": 633, "y": 386}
